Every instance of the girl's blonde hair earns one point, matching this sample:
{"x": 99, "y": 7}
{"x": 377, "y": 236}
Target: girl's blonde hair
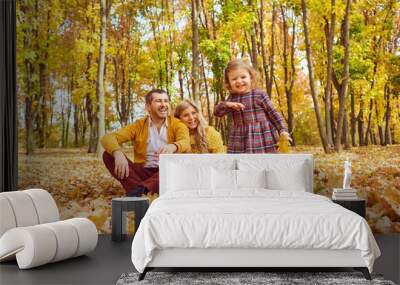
{"x": 200, "y": 132}
{"x": 236, "y": 64}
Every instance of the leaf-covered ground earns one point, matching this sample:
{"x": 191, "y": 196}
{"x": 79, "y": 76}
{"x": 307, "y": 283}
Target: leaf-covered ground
{"x": 82, "y": 186}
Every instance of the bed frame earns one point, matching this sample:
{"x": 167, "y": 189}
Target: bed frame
{"x": 243, "y": 259}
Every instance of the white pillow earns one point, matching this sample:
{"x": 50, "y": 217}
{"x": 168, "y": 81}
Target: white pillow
{"x": 223, "y": 179}
{"x": 282, "y": 174}
{"x": 293, "y": 180}
{"x": 185, "y": 177}
{"x": 251, "y": 178}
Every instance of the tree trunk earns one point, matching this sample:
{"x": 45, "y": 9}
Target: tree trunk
{"x": 373, "y": 136}
{"x": 368, "y": 131}
{"x": 262, "y": 42}
{"x": 44, "y": 85}
{"x": 253, "y": 32}
{"x": 388, "y": 138}
{"x": 130, "y": 100}
{"x": 92, "y": 119}
{"x": 360, "y": 124}
{"x": 83, "y": 120}
{"x": 292, "y": 79}
{"x": 116, "y": 88}
{"x": 124, "y": 107}
{"x": 30, "y": 42}
{"x": 76, "y": 125}
{"x": 93, "y": 136}
{"x": 62, "y": 121}
{"x": 195, "y": 53}
{"x": 330, "y": 33}
{"x": 69, "y": 107}
{"x": 380, "y": 129}
{"x": 288, "y": 85}
{"x": 352, "y": 119}
{"x": 344, "y": 85}
{"x": 272, "y": 51}
{"x": 345, "y": 134}
{"x": 43, "y": 91}
{"x": 100, "y": 79}
{"x": 180, "y": 78}
{"x": 90, "y": 112}
{"x": 322, "y": 132}
{"x": 51, "y": 111}
{"x": 248, "y": 46}
{"x": 28, "y": 125}
{"x": 332, "y": 116}
{"x": 209, "y": 112}
{"x": 30, "y": 109}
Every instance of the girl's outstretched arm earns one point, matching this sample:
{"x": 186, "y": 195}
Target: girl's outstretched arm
{"x": 221, "y": 109}
{"x": 275, "y": 118}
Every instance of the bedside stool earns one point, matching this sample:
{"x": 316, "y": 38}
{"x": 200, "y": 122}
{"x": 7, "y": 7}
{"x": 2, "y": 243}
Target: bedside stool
{"x": 119, "y": 207}
{"x": 357, "y": 206}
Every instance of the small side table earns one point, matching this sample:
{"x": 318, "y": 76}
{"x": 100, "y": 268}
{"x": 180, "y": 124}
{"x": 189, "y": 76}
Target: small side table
{"x": 357, "y": 206}
{"x": 119, "y": 208}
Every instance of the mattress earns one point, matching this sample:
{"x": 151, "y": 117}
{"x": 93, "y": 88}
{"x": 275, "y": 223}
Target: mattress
{"x": 250, "y": 219}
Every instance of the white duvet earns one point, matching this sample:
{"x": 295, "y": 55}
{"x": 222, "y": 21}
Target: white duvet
{"x": 252, "y": 218}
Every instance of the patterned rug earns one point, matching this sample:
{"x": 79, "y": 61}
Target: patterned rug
{"x": 241, "y": 278}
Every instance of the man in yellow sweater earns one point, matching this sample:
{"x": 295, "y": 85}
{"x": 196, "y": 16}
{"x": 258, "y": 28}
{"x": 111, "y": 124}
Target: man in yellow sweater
{"x": 153, "y": 135}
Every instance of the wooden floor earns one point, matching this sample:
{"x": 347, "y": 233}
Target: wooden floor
{"x": 111, "y": 259}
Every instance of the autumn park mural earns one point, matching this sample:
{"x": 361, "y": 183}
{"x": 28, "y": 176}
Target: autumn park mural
{"x": 331, "y": 69}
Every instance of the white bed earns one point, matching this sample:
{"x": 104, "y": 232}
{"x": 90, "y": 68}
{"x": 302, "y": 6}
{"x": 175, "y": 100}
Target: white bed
{"x": 247, "y": 211}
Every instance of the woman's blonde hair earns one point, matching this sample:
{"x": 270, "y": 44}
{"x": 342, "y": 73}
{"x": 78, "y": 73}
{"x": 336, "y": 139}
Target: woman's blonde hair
{"x": 236, "y": 64}
{"x": 200, "y": 132}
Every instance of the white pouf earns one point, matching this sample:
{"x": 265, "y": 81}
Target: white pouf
{"x": 31, "y": 232}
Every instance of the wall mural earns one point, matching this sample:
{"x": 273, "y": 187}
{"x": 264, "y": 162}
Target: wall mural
{"x": 348, "y": 108}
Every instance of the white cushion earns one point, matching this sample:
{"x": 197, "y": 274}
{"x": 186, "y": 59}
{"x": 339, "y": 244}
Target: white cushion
{"x": 251, "y": 178}
{"x": 282, "y": 174}
{"x": 183, "y": 177}
{"x": 23, "y": 208}
{"x": 294, "y": 181}
{"x": 7, "y": 220}
{"x": 27, "y": 208}
{"x": 33, "y": 246}
{"x": 67, "y": 240}
{"x": 46, "y": 207}
{"x": 40, "y": 244}
{"x": 223, "y": 179}
{"x": 87, "y": 235}
{"x": 180, "y": 172}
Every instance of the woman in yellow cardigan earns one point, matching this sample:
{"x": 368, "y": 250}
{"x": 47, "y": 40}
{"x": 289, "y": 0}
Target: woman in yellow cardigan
{"x": 203, "y": 138}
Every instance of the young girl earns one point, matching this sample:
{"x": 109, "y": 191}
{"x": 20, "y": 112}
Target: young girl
{"x": 254, "y": 118}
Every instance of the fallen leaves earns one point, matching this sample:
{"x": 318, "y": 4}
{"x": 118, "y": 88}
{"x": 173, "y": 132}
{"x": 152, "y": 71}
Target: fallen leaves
{"x": 82, "y": 186}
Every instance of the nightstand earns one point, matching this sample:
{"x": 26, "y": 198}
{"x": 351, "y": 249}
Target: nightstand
{"x": 119, "y": 207}
{"x": 357, "y": 206}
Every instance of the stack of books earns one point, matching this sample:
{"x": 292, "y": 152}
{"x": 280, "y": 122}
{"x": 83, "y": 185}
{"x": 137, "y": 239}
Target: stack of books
{"x": 344, "y": 194}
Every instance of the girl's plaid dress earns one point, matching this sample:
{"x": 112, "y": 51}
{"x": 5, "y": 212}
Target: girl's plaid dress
{"x": 254, "y": 127}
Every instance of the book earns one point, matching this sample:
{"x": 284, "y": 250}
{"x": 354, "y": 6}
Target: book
{"x": 341, "y": 190}
{"x": 345, "y": 198}
{"x": 345, "y": 194}
{"x": 336, "y": 196}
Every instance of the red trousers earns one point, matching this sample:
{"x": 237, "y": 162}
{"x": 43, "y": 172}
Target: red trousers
{"x": 138, "y": 175}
